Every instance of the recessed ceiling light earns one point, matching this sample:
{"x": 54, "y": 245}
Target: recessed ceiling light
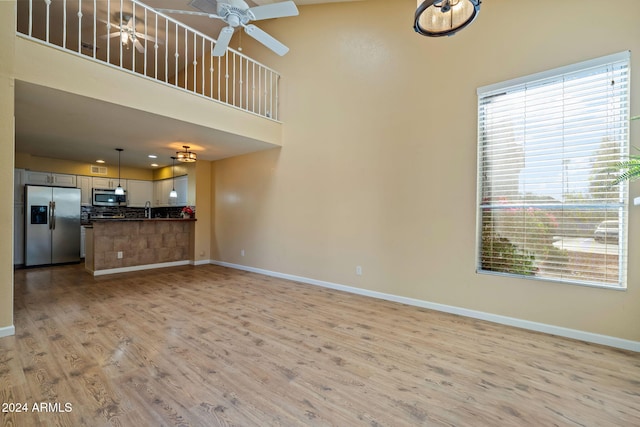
{"x": 153, "y": 156}
{"x": 155, "y": 165}
{"x": 99, "y": 161}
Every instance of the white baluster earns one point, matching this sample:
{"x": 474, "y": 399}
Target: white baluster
{"x": 64, "y": 24}
{"x": 107, "y": 35}
{"x": 166, "y": 51}
{"x": 133, "y": 38}
{"x": 120, "y": 41}
{"x": 30, "y": 18}
{"x": 176, "y": 56}
{"x": 186, "y": 57}
{"x": 226, "y": 77}
{"x": 241, "y": 82}
{"x": 144, "y": 56}
{"x": 48, "y": 3}
{"x": 79, "y": 26}
{"x": 95, "y": 25}
{"x": 195, "y": 63}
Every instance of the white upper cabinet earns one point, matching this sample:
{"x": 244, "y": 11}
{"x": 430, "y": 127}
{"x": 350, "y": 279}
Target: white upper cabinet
{"x": 162, "y": 188}
{"x": 108, "y": 183}
{"x": 182, "y": 188}
{"x": 139, "y": 192}
{"x": 84, "y": 183}
{"x": 48, "y": 178}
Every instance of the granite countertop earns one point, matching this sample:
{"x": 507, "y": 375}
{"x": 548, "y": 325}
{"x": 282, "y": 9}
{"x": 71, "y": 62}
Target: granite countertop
{"x": 103, "y": 220}
{"x": 139, "y": 219}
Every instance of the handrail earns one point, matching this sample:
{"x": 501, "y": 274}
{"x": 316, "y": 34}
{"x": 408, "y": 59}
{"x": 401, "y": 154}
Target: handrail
{"x": 154, "y": 45}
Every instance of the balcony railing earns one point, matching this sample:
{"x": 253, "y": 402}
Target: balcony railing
{"x": 135, "y": 38}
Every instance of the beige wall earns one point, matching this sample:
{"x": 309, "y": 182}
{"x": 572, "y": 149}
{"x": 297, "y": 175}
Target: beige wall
{"x": 7, "y": 52}
{"x": 378, "y": 164}
{"x": 203, "y": 190}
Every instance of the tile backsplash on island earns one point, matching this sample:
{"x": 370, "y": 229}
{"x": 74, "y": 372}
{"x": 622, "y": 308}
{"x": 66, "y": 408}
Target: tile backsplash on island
{"x": 88, "y": 212}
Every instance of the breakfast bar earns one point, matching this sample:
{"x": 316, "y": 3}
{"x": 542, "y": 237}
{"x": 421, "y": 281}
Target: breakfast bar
{"x": 130, "y": 244}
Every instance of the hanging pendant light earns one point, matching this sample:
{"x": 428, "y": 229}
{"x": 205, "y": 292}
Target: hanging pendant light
{"x": 119, "y": 190}
{"x": 186, "y": 155}
{"x": 173, "y": 193}
{"x": 436, "y": 18}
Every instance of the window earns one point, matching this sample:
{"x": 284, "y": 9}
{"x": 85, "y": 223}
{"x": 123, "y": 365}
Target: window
{"x": 548, "y": 145}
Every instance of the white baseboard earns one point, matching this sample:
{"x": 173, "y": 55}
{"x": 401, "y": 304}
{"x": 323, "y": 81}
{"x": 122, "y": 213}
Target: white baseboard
{"x": 7, "y": 331}
{"x": 139, "y": 267}
{"x": 495, "y": 318}
{"x": 201, "y": 262}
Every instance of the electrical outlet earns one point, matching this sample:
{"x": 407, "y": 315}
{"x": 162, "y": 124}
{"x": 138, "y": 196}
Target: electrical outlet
{"x": 119, "y": 254}
{"x": 241, "y": 252}
{"x": 358, "y": 270}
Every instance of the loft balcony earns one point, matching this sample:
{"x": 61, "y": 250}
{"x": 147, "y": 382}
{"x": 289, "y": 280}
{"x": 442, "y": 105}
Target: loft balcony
{"x": 127, "y": 54}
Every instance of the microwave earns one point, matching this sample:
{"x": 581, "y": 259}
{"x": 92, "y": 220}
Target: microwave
{"x": 107, "y": 197}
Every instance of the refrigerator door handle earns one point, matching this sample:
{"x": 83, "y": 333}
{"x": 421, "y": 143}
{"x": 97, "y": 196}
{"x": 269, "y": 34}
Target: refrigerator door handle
{"x": 53, "y": 216}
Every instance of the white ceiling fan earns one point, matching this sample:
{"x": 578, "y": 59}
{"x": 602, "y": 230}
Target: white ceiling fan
{"x": 236, "y": 13}
{"x": 128, "y": 33}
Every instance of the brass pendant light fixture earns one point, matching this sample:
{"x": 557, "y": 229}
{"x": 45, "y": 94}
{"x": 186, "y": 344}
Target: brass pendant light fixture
{"x": 186, "y": 155}
{"x": 119, "y": 190}
{"x": 437, "y": 18}
{"x": 173, "y": 193}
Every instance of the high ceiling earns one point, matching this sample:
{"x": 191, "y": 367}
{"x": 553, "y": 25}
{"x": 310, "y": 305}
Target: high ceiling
{"x": 55, "y": 124}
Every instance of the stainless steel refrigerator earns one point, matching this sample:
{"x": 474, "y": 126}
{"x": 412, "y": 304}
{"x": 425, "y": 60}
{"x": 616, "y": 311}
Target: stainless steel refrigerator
{"x": 52, "y": 225}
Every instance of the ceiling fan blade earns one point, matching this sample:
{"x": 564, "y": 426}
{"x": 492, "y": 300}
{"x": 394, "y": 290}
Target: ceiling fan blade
{"x": 223, "y": 41}
{"x": 266, "y": 39}
{"x": 147, "y": 37}
{"x": 274, "y": 10}
{"x": 138, "y": 46}
{"x": 115, "y": 34}
{"x": 188, "y": 12}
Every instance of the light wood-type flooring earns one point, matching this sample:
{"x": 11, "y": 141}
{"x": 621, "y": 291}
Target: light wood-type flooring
{"x": 212, "y": 346}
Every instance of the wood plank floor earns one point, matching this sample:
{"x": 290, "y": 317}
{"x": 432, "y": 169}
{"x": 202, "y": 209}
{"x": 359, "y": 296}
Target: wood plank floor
{"x": 211, "y": 346}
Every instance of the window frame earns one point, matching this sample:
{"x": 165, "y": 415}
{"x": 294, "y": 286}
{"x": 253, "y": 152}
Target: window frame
{"x": 536, "y": 79}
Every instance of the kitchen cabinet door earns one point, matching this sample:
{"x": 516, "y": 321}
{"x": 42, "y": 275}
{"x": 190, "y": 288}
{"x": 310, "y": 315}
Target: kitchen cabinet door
{"x": 102, "y": 183}
{"x": 48, "y": 178}
{"x": 84, "y": 184}
{"x": 37, "y": 178}
{"x": 63, "y": 180}
{"x": 108, "y": 183}
{"x": 182, "y": 188}
{"x": 161, "y": 190}
{"x": 139, "y": 192}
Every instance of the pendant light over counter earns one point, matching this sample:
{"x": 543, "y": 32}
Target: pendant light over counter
{"x": 186, "y": 156}
{"x": 119, "y": 190}
{"x": 436, "y": 18}
{"x": 173, "y": 193}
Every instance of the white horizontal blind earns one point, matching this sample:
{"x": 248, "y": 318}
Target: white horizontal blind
{"x": 547, "y": 145}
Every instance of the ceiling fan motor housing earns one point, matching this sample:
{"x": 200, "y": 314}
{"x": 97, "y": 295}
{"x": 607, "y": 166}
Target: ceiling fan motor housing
{"x": 234, "y": 13}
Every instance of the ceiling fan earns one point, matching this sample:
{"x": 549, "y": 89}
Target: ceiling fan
{"x": 236, "y": 13}
{"x": 128, "y": 33}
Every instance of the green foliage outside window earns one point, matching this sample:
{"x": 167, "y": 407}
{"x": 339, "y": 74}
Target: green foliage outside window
{"x": 630, "y": 168}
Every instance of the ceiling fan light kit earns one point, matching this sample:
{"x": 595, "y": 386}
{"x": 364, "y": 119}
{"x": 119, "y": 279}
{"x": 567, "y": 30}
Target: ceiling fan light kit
{"x": 437, "y": 18}
{"x": 126, "y": 31}
{"x": 237, "y": 13}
